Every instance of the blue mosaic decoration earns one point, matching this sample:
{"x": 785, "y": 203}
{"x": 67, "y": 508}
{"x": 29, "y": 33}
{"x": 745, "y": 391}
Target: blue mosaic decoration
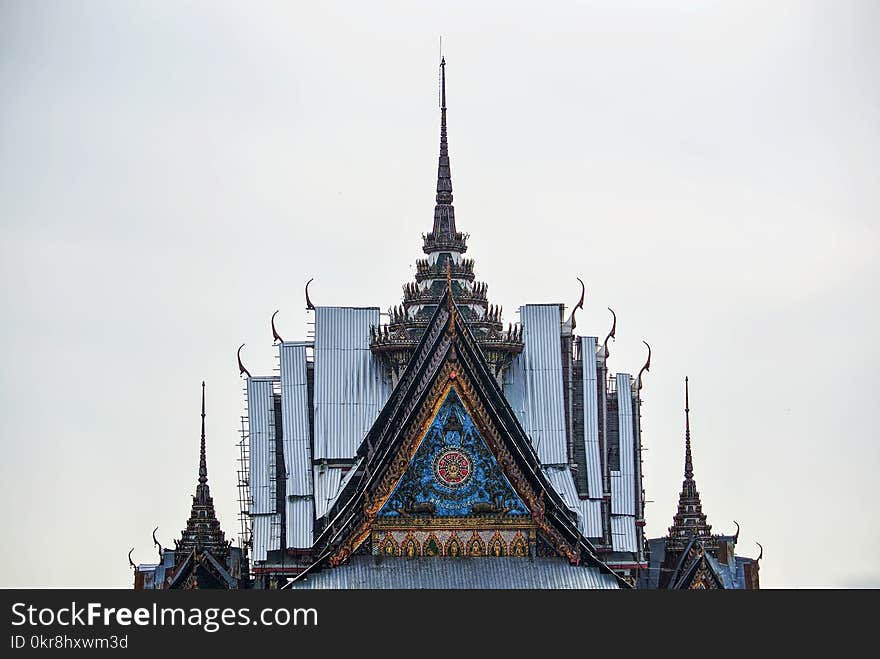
{"x": 453, "y": 473}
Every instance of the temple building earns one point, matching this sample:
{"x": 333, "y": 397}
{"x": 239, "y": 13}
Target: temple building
{"x": 433, "y": 447}
{"x": 202, "y": 558}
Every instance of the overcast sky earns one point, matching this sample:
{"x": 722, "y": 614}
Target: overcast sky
{"x": 171, "y": 173}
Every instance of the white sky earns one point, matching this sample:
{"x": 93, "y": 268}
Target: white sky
{"x": 171, "y": 173}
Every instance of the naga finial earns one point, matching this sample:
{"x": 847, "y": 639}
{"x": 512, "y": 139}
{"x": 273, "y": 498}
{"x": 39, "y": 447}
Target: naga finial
{"x": 646, "y": 367}
{"x": 157, "y": 543}
{"x": 241, "y": 369}
{"x": 761, "y": 555}
{"x": 736, "y": 537}
{"x": 309, "y": 305}
{"x": 275, "y": 335}
{"x": 580, "y": 304}
{"x": 130, "y": 562}
{"x": 449, "y": 301}
{"x": 611, "y": 333}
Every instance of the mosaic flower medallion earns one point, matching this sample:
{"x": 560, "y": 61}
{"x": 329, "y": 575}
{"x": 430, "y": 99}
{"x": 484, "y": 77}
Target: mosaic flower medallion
{"x": 452, "y": 467}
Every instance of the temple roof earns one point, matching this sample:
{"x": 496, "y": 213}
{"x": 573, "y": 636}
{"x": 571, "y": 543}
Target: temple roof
{"x": 447, "y": 356}
{"x": 452, "y": 573}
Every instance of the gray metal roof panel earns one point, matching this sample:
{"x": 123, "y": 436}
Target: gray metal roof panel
{"x": 368, "y": 572}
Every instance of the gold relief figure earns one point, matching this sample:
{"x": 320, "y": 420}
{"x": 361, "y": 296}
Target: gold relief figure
{"x": 497, "y": 546}
{"x": 476, "y": 546}
{"x": 389, "y": 546}
{"x": 519, "y": 547}
{"x": 410, "y": 547}
{"x": 453, "y": 546}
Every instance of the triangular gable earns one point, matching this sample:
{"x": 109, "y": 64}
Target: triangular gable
{"x": 453, "y": 473}
{"x": 200, "y": 570}
{"x": 447, "y": 357}
{"x": 694, "y": 571}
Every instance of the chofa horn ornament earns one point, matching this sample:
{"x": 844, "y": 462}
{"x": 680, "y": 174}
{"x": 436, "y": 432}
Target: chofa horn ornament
{"x": 580, "y": 303}
{"x": 309, "y": 304}
{"x": 611, "y": 333}
{"x": 646, "y": 367}
{"x": 241, "y": 369}
{"x": 275, "y": 335}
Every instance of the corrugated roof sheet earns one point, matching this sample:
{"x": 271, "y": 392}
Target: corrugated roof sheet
{"x": 624, "y": 536}
{"x": 295, "y": 418}
{"x": 591, "y": 417}
{"x": 261, "y": 429}
{"x": 534, "y": 382}
{"x": 623, "y": 486}
{"x": 591, "y": 517}
{"x": 563, "y": 482}
{"x": 589, "y": 512}
{"x": 327, "y": 481}
{"x": 297, "y": 453}
{"x": 350, "y": 387}
{"x": 456, "y": 573}
{"x": 300, "y": 522}
{"x": 267, "y": 535}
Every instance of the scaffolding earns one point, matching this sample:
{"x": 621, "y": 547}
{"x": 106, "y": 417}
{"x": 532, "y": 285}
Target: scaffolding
{"x": 245, "y": 501}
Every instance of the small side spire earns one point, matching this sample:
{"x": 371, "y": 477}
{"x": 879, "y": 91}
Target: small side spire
{"x": 202, "y": 528}
{"x": 690, "y": 520}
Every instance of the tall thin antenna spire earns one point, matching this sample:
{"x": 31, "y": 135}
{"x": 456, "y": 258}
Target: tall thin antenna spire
{"x": 444, "y": 175}
{"x": 688, "y": 461}
{"x": 203, "y": 464}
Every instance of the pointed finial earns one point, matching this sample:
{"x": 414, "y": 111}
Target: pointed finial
{"x": 442, "y": 82}
{"x": 736, "y": 537}
{"x": 131, "y": 562}
{"x": 761, "y": 555}
{"x": 688, "y": 462}
{"x": 444, "y": 173}
{"x": 203, "y": 464}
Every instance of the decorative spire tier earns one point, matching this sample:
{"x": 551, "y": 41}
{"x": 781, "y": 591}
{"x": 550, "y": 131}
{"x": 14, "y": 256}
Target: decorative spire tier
{"x": 203, "y": 530}
{"x": 444, "y": 246}
{"x": 690, "y": 520}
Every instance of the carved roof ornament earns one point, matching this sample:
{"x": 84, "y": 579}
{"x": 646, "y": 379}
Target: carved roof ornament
{"x": 450, "y": 302}
{"x": 241, "y": 369}
{"x": 157, "y": 543}
{"x": 130, "y": 562}
{"x": 309, "y": 305}
{"x": 579, "y": 305}
{"x": 646, "y": 367}
{"x": 275, "y": 335}
{"x": 611, "y": 333}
